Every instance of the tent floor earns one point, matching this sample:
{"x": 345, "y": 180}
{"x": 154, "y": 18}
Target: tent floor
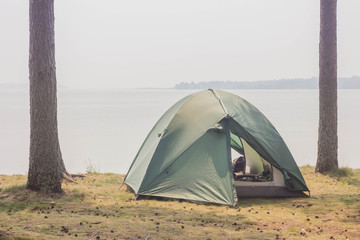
{"x": 265, "y": 192}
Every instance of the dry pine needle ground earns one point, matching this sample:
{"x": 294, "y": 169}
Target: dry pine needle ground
{"x": 95, "y": 208}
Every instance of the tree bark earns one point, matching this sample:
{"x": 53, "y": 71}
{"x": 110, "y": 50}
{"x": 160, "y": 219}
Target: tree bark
{"x": 327, "y": 158}
{"x": 46, "y": 166}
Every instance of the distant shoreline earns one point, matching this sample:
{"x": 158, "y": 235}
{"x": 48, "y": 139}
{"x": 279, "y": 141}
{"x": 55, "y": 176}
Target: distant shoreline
{"x": 282, "y": 84}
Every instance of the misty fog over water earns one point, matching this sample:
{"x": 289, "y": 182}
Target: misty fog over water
{"x": 106, "y": 129}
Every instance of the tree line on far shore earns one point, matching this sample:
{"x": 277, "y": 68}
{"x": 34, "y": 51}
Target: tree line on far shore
{"x": 295, "y": 83}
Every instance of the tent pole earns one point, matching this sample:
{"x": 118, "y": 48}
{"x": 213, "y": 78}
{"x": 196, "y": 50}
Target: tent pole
{"x": 229, "y": 160}
{"x": 221, "y": 103}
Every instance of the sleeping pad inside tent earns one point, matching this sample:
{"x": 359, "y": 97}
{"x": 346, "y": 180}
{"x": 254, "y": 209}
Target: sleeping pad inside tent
{"x": 189, "y": 153}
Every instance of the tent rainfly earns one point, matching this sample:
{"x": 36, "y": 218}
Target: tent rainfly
{"x": 188, "y": 153}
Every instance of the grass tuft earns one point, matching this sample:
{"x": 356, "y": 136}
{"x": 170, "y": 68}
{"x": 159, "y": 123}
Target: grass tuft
{"x": 341, "y": 172}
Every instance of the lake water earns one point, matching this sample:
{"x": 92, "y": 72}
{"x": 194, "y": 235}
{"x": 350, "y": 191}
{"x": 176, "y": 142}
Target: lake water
{"x": 106, "y": 129}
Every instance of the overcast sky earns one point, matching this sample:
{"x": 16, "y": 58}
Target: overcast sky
{"x": 130, "y": 44}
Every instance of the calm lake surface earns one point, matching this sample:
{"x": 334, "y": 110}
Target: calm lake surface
{"x": 106, "y": 129}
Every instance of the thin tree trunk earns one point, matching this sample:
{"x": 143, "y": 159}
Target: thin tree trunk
{"x": 327, "y": 158}
{"x": 45, "y": 160}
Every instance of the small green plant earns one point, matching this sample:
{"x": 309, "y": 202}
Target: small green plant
{"x": 91, "y": 169}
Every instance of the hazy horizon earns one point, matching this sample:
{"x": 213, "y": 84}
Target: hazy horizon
{"x": 279, "y": 84}
{"x": 157, "y": 44}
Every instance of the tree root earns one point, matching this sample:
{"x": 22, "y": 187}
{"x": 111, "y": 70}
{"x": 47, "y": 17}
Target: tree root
{"x": 77, "y": 175}
{"x": 71, "y": 177}
{"x": 68, "y": 178}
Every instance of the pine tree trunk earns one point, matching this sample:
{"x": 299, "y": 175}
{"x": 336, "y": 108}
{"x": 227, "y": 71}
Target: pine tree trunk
{"x": 45, "y": 160}
{"x": 327, "y": 158}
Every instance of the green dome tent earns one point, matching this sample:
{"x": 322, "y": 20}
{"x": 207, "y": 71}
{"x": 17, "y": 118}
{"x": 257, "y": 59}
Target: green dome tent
{"x": 187, "y": 154}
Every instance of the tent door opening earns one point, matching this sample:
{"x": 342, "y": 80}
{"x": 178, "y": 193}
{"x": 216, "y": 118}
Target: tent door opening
{"x": 248, "y": 165}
